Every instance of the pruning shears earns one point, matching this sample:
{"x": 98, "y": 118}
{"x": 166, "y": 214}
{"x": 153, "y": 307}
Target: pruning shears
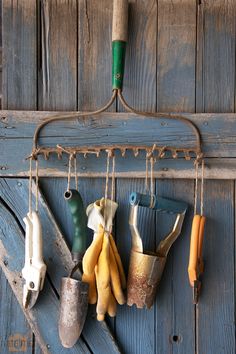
{"x": 34, "y": 270}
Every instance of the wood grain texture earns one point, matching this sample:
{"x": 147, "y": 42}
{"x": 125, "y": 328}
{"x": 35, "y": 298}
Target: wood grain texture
{"x": 58, "y": 56}
{"x": 19, "y": 54}
{"x": 140, "y": 67}
{"x": 215, "y": 70}
{"x": 19, "y": 90}
{"x": 57, "y": 257}
{"x": 175, "y": 323}
{"x": 216, "y": 331}
{"x": 94, "y": 54}
{"x": 17, "y": 127}
{"x": 176, "y": 55}
{"x": 12, "y": 321}
{"x": 120, "y": 20}
{"x": 215, "y": 93}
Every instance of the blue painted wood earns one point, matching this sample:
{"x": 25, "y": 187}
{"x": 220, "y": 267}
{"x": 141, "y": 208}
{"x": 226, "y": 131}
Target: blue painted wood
{"x": 215, "y": 93}
{"x": 218, "y": 135}
{"x": 57, "y": 81}
{"x": 176, "y": 91}
{"x": 216, "y": 323}
{"x": 19, "y": 31}
{"x": 215, "y": 66}
{"x": 94, "y": 54}
{"x": 174, "y": 307}
{"x": 14, "y": 329}
{"x": 175, "y": 72}
{"x": 19, "y": 58}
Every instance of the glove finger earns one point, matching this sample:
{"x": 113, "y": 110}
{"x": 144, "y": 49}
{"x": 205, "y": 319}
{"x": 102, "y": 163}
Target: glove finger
{"x": 115, "y": 279}
{"x": 119, "y": 263}
{"x": 111, "y": 310}
{"x": 91, "y": 255}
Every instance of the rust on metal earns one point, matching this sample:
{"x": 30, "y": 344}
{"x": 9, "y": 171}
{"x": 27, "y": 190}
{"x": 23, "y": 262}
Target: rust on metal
{"x": 73, "y": 310}
{"x": 145, "y": 273}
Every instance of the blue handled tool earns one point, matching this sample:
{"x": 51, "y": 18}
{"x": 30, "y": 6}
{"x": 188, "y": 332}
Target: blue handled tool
{"x": 145, "y": 269}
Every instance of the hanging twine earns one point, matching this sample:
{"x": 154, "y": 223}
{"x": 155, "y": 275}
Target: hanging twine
{"x": 196, "y": 187}
{"x": 146, "y": 175}
{"x": 202, "y": 187}
{"x": 75, "y": 169}
{"x": 37, "y": 185}
{"x": 151, "y": 175}
{"x": 69, "y": 172}
{"x": 30, "y": 185}
{"x": 107, "y": 175}
{"x": 113, "y": 178}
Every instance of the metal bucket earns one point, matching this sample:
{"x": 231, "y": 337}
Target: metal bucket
{"x": 145, "y": 273}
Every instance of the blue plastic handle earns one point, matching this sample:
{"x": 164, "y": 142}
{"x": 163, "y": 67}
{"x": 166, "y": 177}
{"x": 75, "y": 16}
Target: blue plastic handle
{"x": 158, "y": 203}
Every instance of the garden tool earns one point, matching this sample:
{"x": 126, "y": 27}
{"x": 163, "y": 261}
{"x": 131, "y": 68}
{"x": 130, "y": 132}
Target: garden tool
{"x": 34, "y": 269}
{"x": 145, "y": 269}
{"x": 74, "y": 292}
{"x": 196, "y": 266}
{"x": 102, "y": 265}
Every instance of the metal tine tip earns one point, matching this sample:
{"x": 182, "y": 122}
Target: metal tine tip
{"x": 174, "y": 154}
{"x": 123, "y": 152}
{"x": 187, "y": 155}
{"x": 161, "y": 153}
{"x": 136, "y": 152}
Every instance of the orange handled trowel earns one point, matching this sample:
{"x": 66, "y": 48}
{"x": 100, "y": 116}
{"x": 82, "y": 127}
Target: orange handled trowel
{"x": 195, "y": 267}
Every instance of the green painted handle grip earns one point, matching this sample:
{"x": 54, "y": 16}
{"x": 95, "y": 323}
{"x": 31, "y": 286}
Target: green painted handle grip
{"x": 118, "y": 64}
{"x": 79, "y": 218}
{"x": 119, "y": 39}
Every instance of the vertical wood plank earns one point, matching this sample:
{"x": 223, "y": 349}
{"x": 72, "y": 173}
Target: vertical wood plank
{"x": 140, "y": 67}
{"x": 216, "y": 326}
{"x": 12, "y": 322}
{"x": 94, "y": 55}
{"x": 19, "y": 54}
{"x": 19, "y": 33}
{"x": 176, "y": 55}
{"x": 135, "y": 328}
{"x": 215, "y": 93}
{"x": 215, "y": 71}
{"x": 175, "y": 321}
{"x": 175, "y": 325}
{"x": 58, "y": 55}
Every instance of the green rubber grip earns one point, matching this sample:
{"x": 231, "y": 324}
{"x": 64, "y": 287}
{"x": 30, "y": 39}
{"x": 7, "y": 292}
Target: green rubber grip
{"x": 79, "y": 218}
{"x": 118, "y": 64}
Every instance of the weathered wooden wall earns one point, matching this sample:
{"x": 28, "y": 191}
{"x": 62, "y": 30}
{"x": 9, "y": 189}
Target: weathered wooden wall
{"x": 180, "y": 57}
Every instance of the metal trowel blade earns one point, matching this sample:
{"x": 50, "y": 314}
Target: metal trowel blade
{"x": 73, "y": 310}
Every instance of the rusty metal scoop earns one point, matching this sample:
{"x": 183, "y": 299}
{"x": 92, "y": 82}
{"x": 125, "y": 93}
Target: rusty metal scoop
{"x": 74, "y": 292}
{"x": 145, "y": 269}
{"x": 73, "y": 309}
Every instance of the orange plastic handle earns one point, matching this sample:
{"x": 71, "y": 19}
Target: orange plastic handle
{"x": 194, "y": 246}
{"x": 200, "y": 243}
